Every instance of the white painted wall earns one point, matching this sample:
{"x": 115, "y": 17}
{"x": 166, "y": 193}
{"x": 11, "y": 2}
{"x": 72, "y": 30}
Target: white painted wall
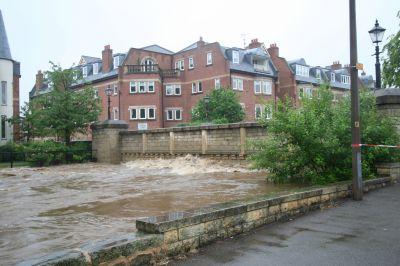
{"x": 6, "y": 74}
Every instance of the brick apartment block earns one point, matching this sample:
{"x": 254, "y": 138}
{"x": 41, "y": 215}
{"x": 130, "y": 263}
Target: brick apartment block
{"x": 154, "y": 87}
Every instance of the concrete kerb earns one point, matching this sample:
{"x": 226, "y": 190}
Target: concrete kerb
{"x": 181, "y": 232}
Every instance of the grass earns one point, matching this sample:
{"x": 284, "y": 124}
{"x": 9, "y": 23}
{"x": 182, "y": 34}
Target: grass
{"x": 15, "y": 164}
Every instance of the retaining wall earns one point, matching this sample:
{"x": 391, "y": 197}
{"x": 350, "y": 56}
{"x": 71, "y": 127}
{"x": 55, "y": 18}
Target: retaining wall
{"x": 180, "y": 232}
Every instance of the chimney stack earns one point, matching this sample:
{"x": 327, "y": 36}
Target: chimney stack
{"x": 200, "y": 42}
{"x": 254, "y": 44}
{"x": 273, "y": 50}
{"x": 107, "y": 59}
{"x": 336, "y": 65}
{"x": 39, "y": 80}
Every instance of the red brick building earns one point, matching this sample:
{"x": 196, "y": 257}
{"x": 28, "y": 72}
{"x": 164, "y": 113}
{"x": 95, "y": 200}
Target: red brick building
{"x": 154, "y": 87}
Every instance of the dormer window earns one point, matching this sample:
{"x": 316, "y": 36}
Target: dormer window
{"x": 235, "y": 57}
{"x": 318, "y": 73}
{"x": 116, "y": 62}
{"x": 84, "y": 71}
{"x": 333, "y": 78}
{"x": 302, "y": 71}
{"x": 345, "y": 79}
{"x": 95, "y": 68}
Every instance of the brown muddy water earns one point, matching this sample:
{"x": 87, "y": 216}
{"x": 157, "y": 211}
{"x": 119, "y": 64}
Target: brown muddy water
{"x": 43, "y": 210}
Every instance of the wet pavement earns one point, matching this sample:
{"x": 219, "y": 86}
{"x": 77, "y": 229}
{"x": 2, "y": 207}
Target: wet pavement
{"x": 43, "y": 210}
{"x": 354, "y": 233}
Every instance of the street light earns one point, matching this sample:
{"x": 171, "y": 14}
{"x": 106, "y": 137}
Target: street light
{"x": 207, "y": 105}
{"x": 108, "y": 93}
{"x": 376, "y": 34}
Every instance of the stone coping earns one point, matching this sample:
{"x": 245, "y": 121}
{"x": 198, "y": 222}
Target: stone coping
{"x": 193, "y": 128}
{"x": 118, "y": 124}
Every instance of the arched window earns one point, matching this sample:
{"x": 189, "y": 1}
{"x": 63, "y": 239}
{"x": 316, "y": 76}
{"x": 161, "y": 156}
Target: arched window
{"x": 148, "y": 65}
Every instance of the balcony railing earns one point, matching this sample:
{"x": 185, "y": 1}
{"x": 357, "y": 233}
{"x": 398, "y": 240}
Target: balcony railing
{"x": 261, "y": 68}
{"x": 151, "y": 69}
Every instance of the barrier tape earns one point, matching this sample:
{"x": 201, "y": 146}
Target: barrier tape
{"x": 375, "y": 145}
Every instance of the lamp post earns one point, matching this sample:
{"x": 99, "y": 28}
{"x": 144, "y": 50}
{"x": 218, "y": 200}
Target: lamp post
{"x": 108, "y": 93}
{"x": 376, "y": 34}
{"x": 207, "y": 106}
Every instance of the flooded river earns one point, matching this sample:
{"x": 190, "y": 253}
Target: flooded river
{"x": 43, "y": 210}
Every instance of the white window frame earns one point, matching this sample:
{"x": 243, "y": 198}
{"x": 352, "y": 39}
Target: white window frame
{"x": 191, "y": 62}
{"x": 4, "y": 93}
{"x": 169, "y": 89}
{"x": 171, "y": 114}
{"x": 302, "y": 71}
{"x": 150, "y": 84}
{"x": 148, "y": 113}
{"x": 142, "y": 84}
{"x": 115, "y": 113}
{"x": 209, "y": 58}
{"x": 318, "y": 73}
{"x": 180, "y": 114}
{"x": 116, "y": 62}
{"x": 333, "y": 77}
{"x": 301, "y": 93}
{"x": 237, "y": 84}
{"x": 180, "y": 64}
{"x": 309, "y": 93}
{"x": 133, "y": 84}
{"x": 194, "y": 88}
{"x": 3, "y": 127}
{"x": 345, "y": 79}
{"x": 96, "y": 93}
{"x": 266, "y": 87}
{"x": 217, "y": 84}
{"x": 95, "y": 68}
{"x": 131, "y": 112}
{"x": 140, "y": 113}
{"x": 243, "y": 105}
{"x": 258, "y": 106}
{"x": 139, "y": 110}
{"x": 199, "y": 87}
{"x": 177, "y": 86}
{"x": 115, "y": 89}
{"x": 84, "y": 71}
{"x": 257, "y": 84}
{"x": 235, "y": 57}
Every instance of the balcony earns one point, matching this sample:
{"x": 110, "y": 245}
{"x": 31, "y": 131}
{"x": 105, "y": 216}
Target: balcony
{"x": 170, "y": 73}
{"x": 139, "y": 69}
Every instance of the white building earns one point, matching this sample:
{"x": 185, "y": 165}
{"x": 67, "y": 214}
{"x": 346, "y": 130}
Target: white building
{"x": 9, "y": 88}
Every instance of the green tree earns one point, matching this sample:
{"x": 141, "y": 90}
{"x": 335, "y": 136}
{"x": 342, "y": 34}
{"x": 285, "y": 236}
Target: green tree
{"x": 391, "y": 64}
{"x": 223, "y": 107}
{"x": 65, "y": 111}
{"x": 312, "y": 144}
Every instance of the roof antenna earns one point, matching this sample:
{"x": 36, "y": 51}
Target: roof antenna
{"x": 243, "y": 35}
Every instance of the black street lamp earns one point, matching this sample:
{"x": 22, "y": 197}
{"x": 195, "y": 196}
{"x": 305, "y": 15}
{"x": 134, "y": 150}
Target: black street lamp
{"x": 108, "y": 93}
{"x": 207, "y": 106}
{"x": 376, "y": 34}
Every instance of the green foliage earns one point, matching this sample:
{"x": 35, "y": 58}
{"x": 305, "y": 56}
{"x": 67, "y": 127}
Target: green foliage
{"x": 312, "y": 144}
{"x": 223, "y": 107}
{"x": 11, "y": 147}
{"x": 45, "y": 153}
{"x": 391, "y": 64}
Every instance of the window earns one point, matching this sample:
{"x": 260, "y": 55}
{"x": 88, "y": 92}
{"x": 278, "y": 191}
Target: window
{"x": 191, "y": 63}
{"x": 345, "y": 79}
{"x": 199, "y": 87}
{"x": 115, "y": 89}
{"x": 151, "y": 113}
{"x": 266, "y": 87}
{"x": 95, "y": 68}
{"x": 133, "y": 114}
{"x": 116, "y": 62}
{"x": 209, "y": 58}
{"x": 115, "y": 113}
{"x": 150, "y": 87}
{"x": 3, "y": 126}
{"x": 4, "y": 92}
{"x": 243, "y": 106}
{"x": 268, "y": 112}
{"x": 258, "y": 111}
{"x": 257, "y": 87}
{"x": 194, "y": 90}
{"x": 174, "y": 114}
{"x": 180, "y": 64}
{"x": 333, "y": 79}
{"x": 318, "y": 73}
{"x": 96, "y": 93}
{"x": 308, "y": 92}
{"x": 237, "y": 84}
{"x": 301, "y": 93}
{"x": 133, "y": 87}
{"x": 84, "y": 71}
{"x": 302, "y": 71}
{"x": 173, "y": 89}
{"x": 142, "y": 113}
{"x": 217, "y": 84}
{"x": 148, "y": 65}
{"x": 235, "y": 57}
{"x": 142, "y": 87}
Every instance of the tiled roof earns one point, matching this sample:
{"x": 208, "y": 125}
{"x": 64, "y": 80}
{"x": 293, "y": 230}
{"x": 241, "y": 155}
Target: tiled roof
{"x": 158, "y": 49}
{"x": 4, "y": 47}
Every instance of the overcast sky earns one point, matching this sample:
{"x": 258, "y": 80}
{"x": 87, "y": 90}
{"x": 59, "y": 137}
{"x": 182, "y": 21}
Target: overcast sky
{"x": 63, "y": 30}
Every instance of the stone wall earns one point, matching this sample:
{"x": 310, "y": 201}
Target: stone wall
{"x": 180, "y": 232}
{"x": 214, "y": 140}
{"x": 388, "y": 103}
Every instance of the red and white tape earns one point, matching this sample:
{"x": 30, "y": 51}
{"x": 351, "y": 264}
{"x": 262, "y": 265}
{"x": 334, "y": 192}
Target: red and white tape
{"x": 376, "y": 145}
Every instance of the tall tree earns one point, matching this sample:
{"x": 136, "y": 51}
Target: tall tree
{"x": 65, "y": 111}
{"x": 391, "y": 64}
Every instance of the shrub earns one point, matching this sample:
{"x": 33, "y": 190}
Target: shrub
{"x": 45, "y": 153}
{"x": 312, "y": 144}
{"x": 11, "y": 149}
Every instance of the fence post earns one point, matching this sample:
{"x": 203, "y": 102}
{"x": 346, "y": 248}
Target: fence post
{"x": 12, "y": 158}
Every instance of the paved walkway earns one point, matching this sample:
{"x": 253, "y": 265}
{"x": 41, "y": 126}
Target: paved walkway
{"x": 354, "y": 233}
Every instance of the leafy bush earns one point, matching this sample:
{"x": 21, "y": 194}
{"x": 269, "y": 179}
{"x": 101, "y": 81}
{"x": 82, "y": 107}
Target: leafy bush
{"x": 312, "y": 144}
{"x": 223, "y": 107}
{"x": 11, "y": 148}
{"x": 45, "y": 153}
